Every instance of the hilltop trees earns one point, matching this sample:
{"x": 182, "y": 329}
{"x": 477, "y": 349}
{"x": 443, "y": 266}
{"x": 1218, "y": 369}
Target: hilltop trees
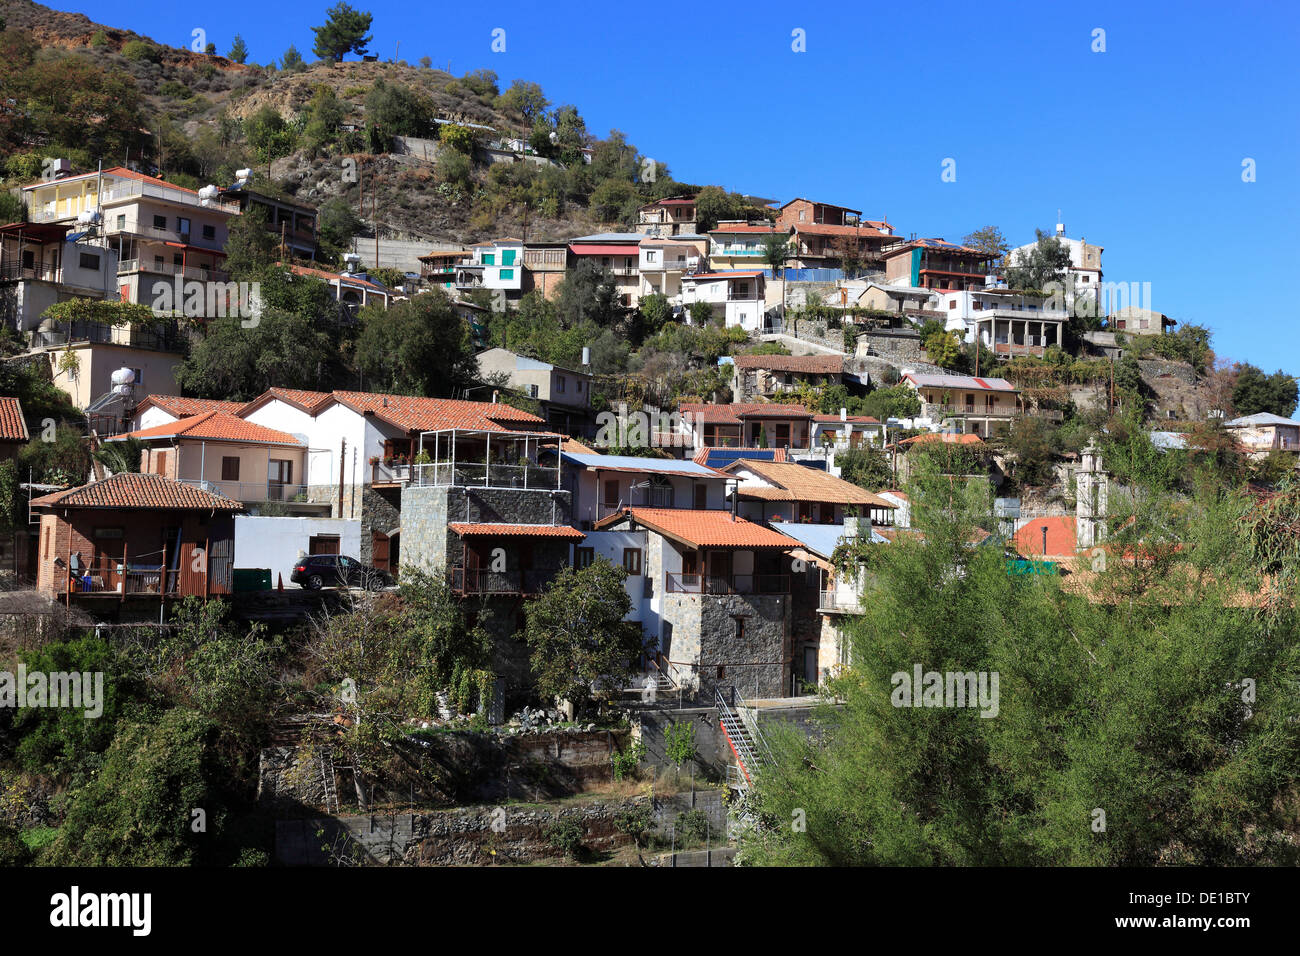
{"x": 988, "y": 240}
{"x": 345, "y": 31}
{"x": 1256, "y": 392}
{"x": 238, "y": 50}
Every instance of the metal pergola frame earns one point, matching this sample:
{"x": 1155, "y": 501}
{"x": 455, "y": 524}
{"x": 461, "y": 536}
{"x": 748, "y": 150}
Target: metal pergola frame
{"x": 538, "y": 438}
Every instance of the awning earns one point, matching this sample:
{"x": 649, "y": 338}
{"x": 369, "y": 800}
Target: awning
{"x": 516, "y": 531}
{"x": 586, "y": 250}
{"x": 36, "y": 231}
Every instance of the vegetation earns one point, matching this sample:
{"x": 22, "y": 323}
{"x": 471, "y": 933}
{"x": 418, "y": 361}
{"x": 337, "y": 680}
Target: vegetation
{"x": 346, "y": 30}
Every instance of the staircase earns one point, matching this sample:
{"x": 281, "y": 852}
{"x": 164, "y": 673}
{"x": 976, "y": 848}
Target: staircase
{"x": 746, "y": 743}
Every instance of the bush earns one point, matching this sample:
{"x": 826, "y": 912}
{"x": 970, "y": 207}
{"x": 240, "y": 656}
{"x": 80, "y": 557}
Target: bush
{"x": 692, "y": 827}
{"x": 566, "y": 836}
{"x": 634, "y": 821}
{"x": 627, "y": 762}
{"x": 138, "y": 51}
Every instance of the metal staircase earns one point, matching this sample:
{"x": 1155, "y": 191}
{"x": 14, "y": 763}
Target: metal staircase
{"x": 746, "y": 741}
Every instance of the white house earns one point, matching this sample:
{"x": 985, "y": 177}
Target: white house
{"x": 737, "y": 296}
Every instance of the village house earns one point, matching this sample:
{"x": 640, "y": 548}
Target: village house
{"x": 724, "y": 455}
{"x": 824, "y": 235}
{"x": 292, "y": 223}
{"x": 774, "y": 491}
{"x": 84, "y": 356}
{"x": 619, "y": 254}
{"x": 1133, "y": 320}
{"x": 1083, "y": 275}
{"x": 936, "y": 264}
{"x": 756, "y": 424}
{"x": 158, "y": 231}
{"x": 716, "y": 604}
{"x": 766, "y": 376}
{"x": 1264, "y": 432}
{"x": 355, "y": 290}
{"x": 133, "y": 539}
{"x": 40, "y": 265}
{"x": 564, "y": 393}
{"x": 1006, "y": 322}
{"x": 438, "y": 268}
{"x": 545, "y": 264}
{"x": 735, "y": 297}
{"x": 667, "y": 217}
{"x": 602, "y": 485}
{"x": 165, "y": 409}
{"x": 663, "y": 263}
{"x": 980, "y": 406}
{"x": 741, "y": 246}
{"x": 363, "y": 448}
{"x": 497, "y": 266}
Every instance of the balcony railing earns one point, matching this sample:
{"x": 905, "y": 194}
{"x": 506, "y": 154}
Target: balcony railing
{"x": 929, "y": 410}
{"x": 735, "y": 584}
{"x": 252, "y": 490}
{"x": 161, "y": 233}
{"x": 832, "y": 601}
{"x": 41, "y": 272}
{"x": 108, "y": 576}
{"x": 481, "y": 581}
{"x": 160, "y": 338}
{"x": 480, "y": 475}
{"x": 201, "y": 273}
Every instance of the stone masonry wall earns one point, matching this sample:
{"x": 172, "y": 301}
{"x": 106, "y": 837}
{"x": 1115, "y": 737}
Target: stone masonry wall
{"x": 705, "y": 634}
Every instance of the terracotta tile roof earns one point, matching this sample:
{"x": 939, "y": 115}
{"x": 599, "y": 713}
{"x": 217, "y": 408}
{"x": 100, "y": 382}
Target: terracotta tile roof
{"x": 214, "y": 426}
{"x": 13, "y": 427}
{"x": 703, "y": 529}
{"x": 813, "y": 364}
{"x": 945, "y": 438}
{"x": 734, "y": 413}
{"x": 138, "y": 492}
{"x": 732, "y": 452}
{"x": 516, "y": 530}
{"x": 747, "y": 227}
{"x": 309, "y": 402}
{"x": 183, "y": 407}
{"x": 573, "y": 446}
{"x": 790, "y": 481}
{"x": 1061, "y": 541}
{"x": 821, "y": 229}
{"x": 121, "y": 172}
{"x": 433, "y": 414}
{"x": 341, "y": 278}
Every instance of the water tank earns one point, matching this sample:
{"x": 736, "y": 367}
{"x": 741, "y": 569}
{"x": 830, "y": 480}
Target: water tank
{"x": 123, "y": 376}
{"x": 586, "y": 355}
{"x": 243, "y": 174}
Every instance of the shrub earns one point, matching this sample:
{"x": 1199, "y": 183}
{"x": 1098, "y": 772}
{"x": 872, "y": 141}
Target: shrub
{"x": 626, "y": 763}
{"x": 138, "y": 51}
{"x": 565, "y": 836}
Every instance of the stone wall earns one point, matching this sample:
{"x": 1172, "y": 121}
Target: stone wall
{"x": 428, "y": 541}
{"x": 481, "y": 835}
{"x": 705, "y": 633}
{"x": 900, "y": 345}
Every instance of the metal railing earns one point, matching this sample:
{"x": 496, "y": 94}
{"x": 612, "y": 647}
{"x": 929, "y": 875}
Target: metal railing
{"x": 754, "y": 584}
{"x": 831, "y": 601}
{"x": 108, "y": 576}
{"x": 252, "y": 490}
{"x": 41, "y": 272}
{"x": 482, "y": 581}
{"x": 481, "y": 475}
{"x": 202, "y": 273}
{"x": 165, "y": 337}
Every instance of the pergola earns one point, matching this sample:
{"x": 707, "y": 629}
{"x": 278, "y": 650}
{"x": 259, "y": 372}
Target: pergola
{"x": 464, "y": 457}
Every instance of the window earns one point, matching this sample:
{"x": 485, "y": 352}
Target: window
{"x": 611, "y": 493}
{"x": 507, "y": 257}
{"x": 701, "y": 497}
{"x": 952, "y": 303}
{"x": 121, "y": 221}
{"x": 740, "y": 628}
{"x": 507, "y": 274}
{"x": 110, "y": 532}
{"x": 229, "y": 468}
{"x": 782, "y": 434}
{"x": 489, "y": 259}
{"x": 279, "y": 471}
{"x": 182, "y": 225}
{"x": 209, "y": 232}
{"x": 157, "y": 262}
{"x": 160, "y": 222}
{"x": 577, "y": 386}
{"x": 90, "y": 261}
{"x": 583, "y": 557}
{"x": 46, "y": 537}
{"x": 650, "y": 256}
{"x": 178, "y": 259}
{"x": 559, "y": 383}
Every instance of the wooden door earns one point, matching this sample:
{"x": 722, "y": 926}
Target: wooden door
{"x": 379, "y": 551}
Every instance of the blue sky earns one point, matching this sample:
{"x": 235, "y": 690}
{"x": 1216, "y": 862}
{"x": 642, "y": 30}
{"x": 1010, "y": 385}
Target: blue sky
{"x": 1140, "y": 146}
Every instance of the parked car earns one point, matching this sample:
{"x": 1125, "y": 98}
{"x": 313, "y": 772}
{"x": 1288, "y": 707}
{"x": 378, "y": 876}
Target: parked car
{"x": 338, "y": 570}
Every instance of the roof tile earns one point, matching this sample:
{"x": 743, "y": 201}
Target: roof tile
{"x": 130, "y": 490}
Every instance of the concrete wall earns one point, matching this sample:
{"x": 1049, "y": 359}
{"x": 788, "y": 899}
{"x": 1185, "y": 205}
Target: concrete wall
{"x": 277, "y": 543}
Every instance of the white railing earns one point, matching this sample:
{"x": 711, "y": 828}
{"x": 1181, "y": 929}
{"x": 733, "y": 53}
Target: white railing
{"x": 479, "y": 475}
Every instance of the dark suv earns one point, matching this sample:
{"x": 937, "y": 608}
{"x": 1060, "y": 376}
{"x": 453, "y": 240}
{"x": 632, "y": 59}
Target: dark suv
{"x": 337, "y": 570}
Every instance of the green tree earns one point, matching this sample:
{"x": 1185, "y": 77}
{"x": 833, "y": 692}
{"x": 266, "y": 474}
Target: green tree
{"x": 988, "y": 240}
{"x": 337, "y": 223}
{"x": 292, "y": 62}
{"x": 714, "y": 204}
{"x": 1254, "y": 392}
{"x": 418, "y": 346}
{"x": 1038, "y": 268}
{"x": 776, "y": 253}
{"x": 238, "y": 50}
{"x": 460, "y": 138}
{"x": 120, "y": 457}
{"x": 1034, "y": 444}
{"x": 524, "y": 98}
{"x": 284, "y": 349}
{"x": 325, "y": 114}
{"x": 269, "y": 135}
{"x": 865, "y": 466}
{"x": 481, "y": 83}
{"x": 399, "y": 110}
{"x": 346, "y": 30}
{"x": 139, "y": 809}
{"x": 577, "y": 635}
{"x": 250, "y": 247}
{"x": 891, "y": 401}
{"x": 942, "y": 348}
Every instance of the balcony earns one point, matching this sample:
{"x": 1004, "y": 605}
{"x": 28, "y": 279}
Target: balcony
{"x": 253, "y": 491}
{"x": 40, "y": 272}
{"x": 479, "y": 475}
{"x": 161, "y": 235}
{"x": 200, "y": 273}
{"x": 759, "y": 584}
{"x": 481, "y": 581}
{"x": 165, "y": 337}
{"x": 832, "y": 602}
{"x": 111, "y": 578}
{"x": 944, "y": 410}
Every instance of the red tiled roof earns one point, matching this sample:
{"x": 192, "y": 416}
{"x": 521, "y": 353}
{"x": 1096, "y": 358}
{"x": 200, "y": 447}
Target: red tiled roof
{"x": 301, "y": 398}
{"x": 123, "y": 173}
{"x": 703, "y": 529}
{"x": 435, "y": 414}
{"x": 183, "y": 407}
{"x": 946, "y": 438}
{"x": 821, "y": 229}
{"x": 733, "y": 414}
{"x": 336, "y": 277}
{"x": 214, "y": 426}
{"x": 710, "y": 276}
{"x": 790, "y": 481}
{"x": 702, "y": 456}
{"x": 1061, "y": 541}
{"x": 814, "y": 364}
{"x": 516, "y": 530}
{"x": 13, "y": 427}
{"x": 746, "y": 227}
{"x": 140, "y": 492}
